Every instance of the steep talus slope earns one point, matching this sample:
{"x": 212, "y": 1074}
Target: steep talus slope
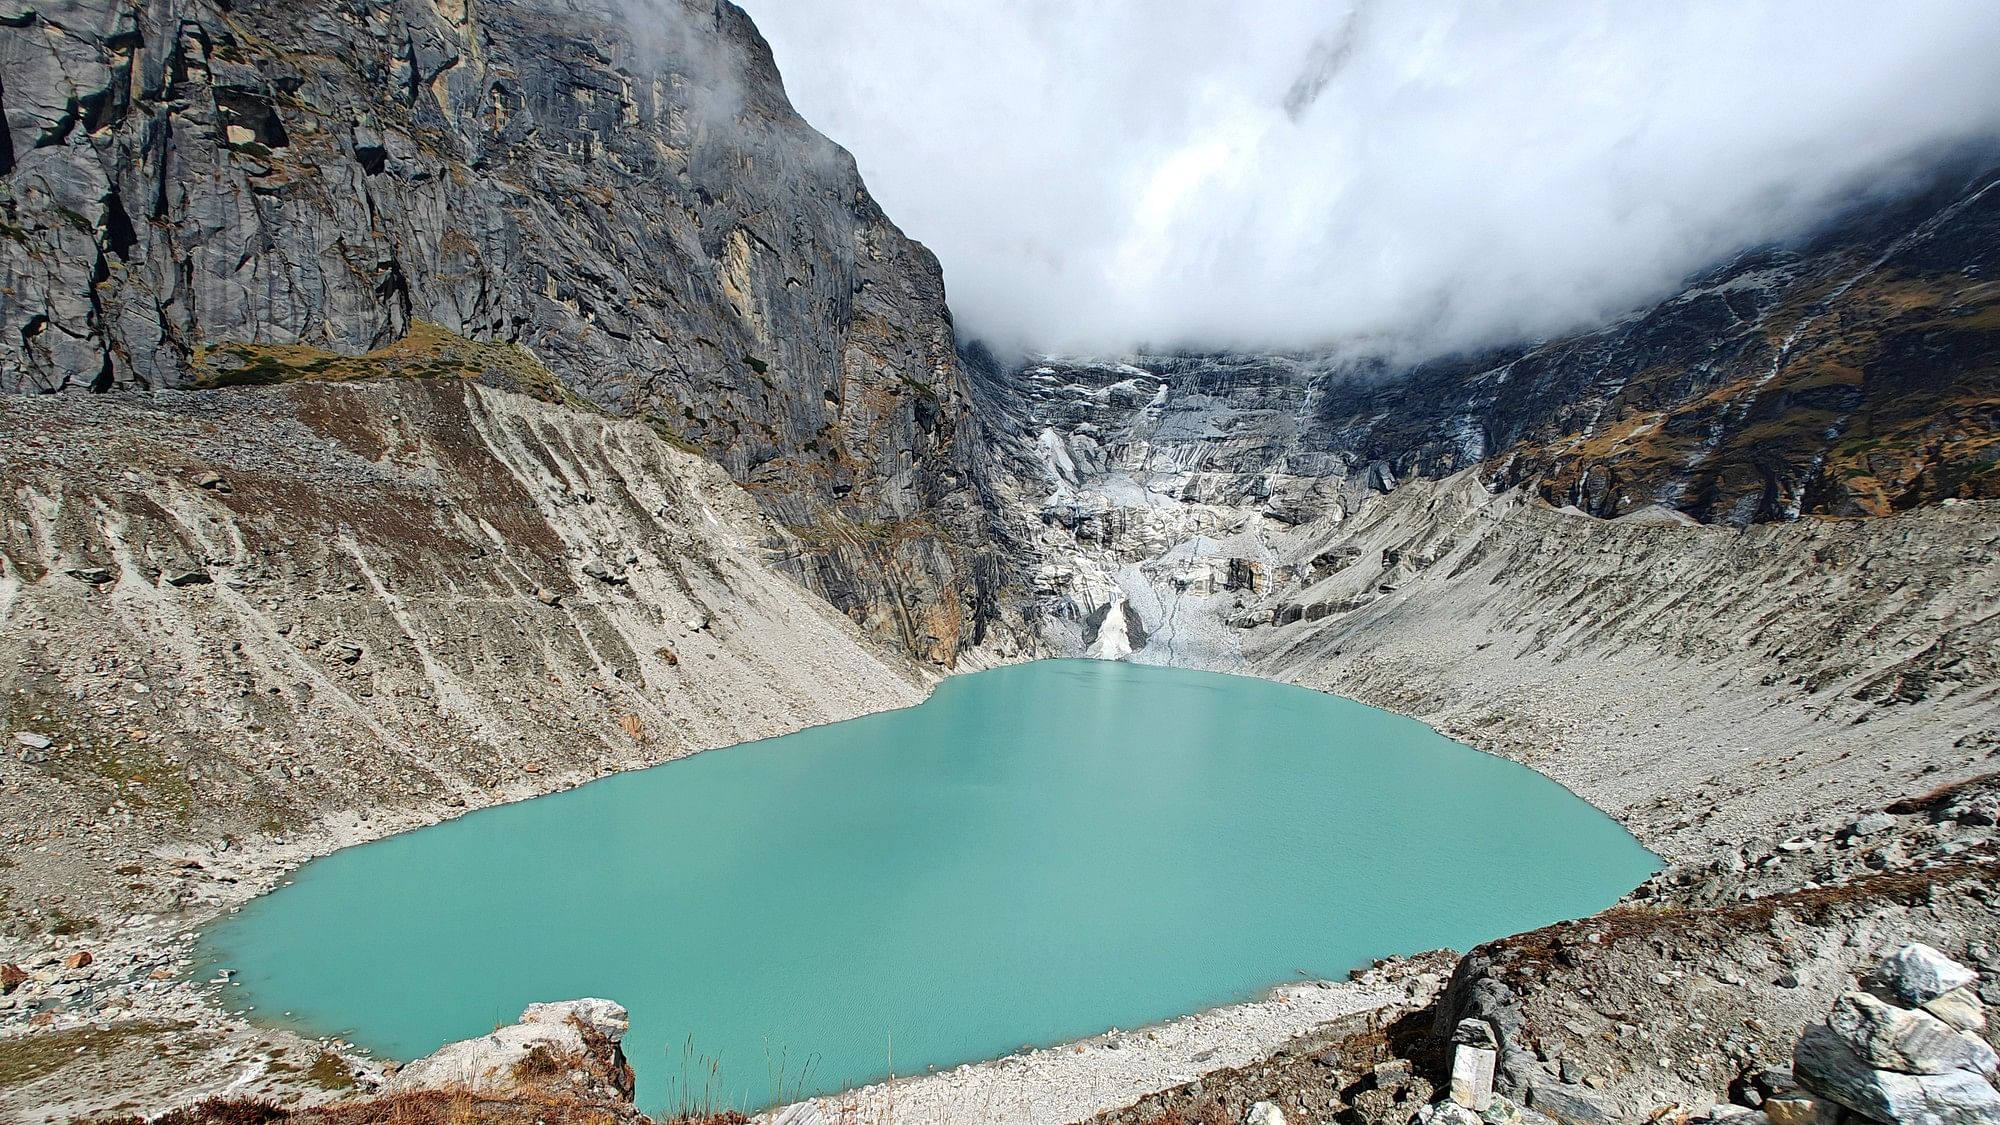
{"x": 621, "y": 188}
{"x": 245, "y": 627}
{"x": 1706, "y": 685}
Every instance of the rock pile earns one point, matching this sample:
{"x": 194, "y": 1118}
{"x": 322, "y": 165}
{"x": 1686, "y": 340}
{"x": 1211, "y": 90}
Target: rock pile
{"x": 1906, "y": 1049}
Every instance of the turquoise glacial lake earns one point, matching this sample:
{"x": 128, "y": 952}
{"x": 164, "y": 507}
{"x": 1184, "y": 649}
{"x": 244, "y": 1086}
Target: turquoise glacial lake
{"x": 1034, "y": 854}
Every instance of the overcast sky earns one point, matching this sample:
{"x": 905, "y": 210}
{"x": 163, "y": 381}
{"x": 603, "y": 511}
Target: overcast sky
{"x": 1100, "y": 174}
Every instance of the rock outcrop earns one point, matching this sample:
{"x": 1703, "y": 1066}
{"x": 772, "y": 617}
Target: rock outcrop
{"x": 571, "y": 1048}
{"x": 197, "y": 192}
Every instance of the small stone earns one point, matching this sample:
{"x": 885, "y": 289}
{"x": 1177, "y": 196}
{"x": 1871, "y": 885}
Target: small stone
{"x": 12, "y": 976}
{"x": 1264, "y": 1113}
{"x": 1475, "y": 1033}
{"x": 90, "y": 575}
{"x": 212, "y": 481}
{"x": 1797, "y": 1109}
{"x": 1871, "y": 824}
{"x": 1916, "y": 974}
{"x": 1392, "y": 1073}
{"x": 78, "y": 960}
{"x": 1447, "y": 1113}
{"x": 1982, "y": 810}
{"x": 604, "y": 574}
{"x": 547, "y": 596}
{"x": 190, "y": 578}
{"x": 33, "y": 740}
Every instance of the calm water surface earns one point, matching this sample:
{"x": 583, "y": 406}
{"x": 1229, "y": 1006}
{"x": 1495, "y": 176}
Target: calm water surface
{"x": 1033, "y": 855}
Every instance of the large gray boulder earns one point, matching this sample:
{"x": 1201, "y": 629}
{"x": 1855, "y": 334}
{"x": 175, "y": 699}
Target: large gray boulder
{"x": 573, "y": 1047}
{"x": 1917, "y": 974}
{"x": 1904, "y": 1040}
{"x": 1827, "y": 1066}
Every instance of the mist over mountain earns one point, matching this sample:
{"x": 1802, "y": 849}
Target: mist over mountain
{"x": 1401, "y": 179}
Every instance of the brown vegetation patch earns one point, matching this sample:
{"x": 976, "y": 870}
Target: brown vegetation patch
{"x": 427, "y": 351}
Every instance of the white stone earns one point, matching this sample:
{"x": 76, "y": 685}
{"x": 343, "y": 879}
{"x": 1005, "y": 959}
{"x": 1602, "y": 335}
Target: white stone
{"x": 1472, "y": 1077}
{"x": 1264, "y": 1113}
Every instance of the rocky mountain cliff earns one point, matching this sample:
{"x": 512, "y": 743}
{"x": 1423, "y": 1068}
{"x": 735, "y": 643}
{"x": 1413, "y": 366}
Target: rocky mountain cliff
{"x": 1857, "y": 374}
{"x": 199, "y": 192}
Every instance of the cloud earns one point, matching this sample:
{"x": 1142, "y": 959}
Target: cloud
{"x": 1407, "y": 177}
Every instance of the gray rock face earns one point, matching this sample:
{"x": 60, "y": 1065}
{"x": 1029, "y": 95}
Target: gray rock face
{"x": 632, "y": 200}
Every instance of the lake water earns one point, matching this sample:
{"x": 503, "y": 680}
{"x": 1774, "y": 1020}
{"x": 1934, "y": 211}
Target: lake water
{"x": 1034, "y": 854}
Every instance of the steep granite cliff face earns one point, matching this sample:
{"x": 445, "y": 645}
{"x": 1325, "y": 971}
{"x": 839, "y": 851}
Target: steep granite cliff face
{"x": 619, "y": 187}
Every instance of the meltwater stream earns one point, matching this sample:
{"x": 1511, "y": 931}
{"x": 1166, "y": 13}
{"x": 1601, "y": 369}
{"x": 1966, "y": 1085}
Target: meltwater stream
{"x": 1034, "y": 854}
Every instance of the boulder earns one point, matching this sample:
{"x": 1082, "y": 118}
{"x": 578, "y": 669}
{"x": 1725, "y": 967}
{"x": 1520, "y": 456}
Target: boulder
{"x": 1960, "y": 1008}
{"x": 572, "y": 1047}
{"x": 1906, "y": 1041}
{"x": 1827, "y": 1066}
{"x": 1916, "y": 974}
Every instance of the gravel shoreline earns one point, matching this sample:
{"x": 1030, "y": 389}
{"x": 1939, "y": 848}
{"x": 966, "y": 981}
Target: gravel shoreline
{"x": 1074, "y": 1080}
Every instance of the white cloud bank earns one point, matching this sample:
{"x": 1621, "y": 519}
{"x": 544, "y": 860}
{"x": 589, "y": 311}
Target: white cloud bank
{"x": 1418, "y": 174}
